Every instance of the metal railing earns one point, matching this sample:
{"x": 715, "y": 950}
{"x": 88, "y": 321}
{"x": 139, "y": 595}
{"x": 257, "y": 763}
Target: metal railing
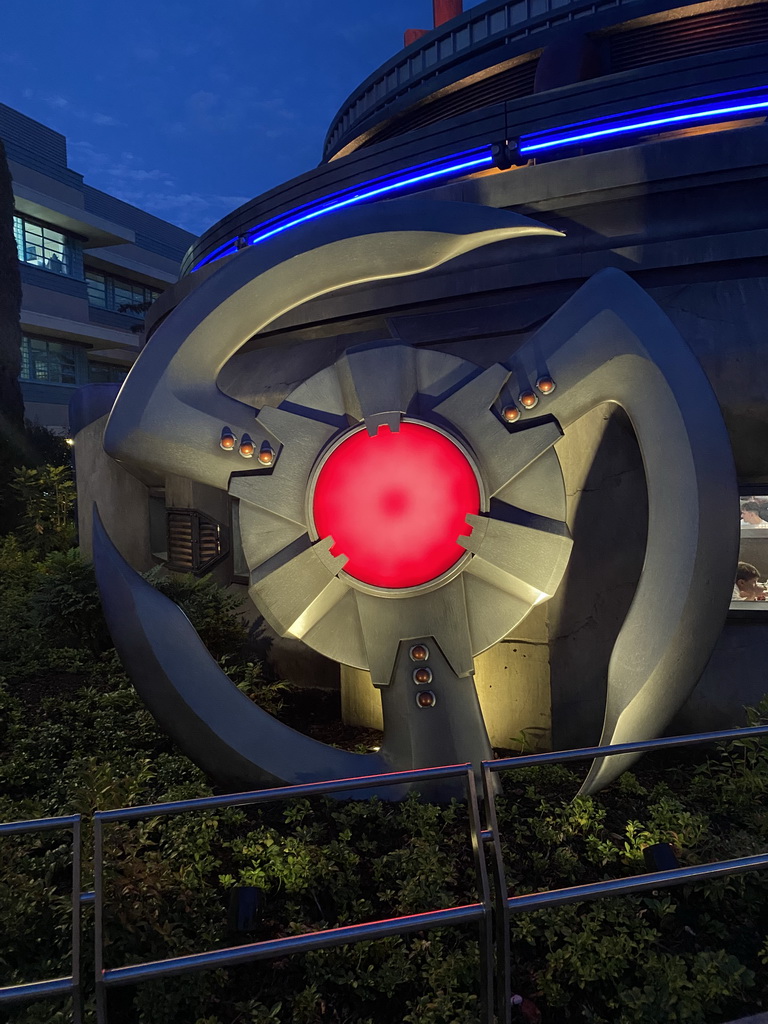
{"x": 505, "y": 905}
{"x": 271, "y": 949}
{"x": 70, "y": 984}
{"x": 492, "y": 913}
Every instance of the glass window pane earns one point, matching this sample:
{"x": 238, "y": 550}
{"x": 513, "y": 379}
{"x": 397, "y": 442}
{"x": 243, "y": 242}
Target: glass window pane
{"x": 50, "y": 361}
{"x": 61, "y": 363}
{"x": 41, "y": 245}
{"x": 750, "y": 588}
{"x": 97, "y": 289}
{"x": 18, "y": 234}
{"x": 26, "y": 363}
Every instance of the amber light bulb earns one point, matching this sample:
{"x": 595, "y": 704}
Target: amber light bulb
{"x": 545, "y": 385}
{"x": 425, "y": 699}
{"x": 528, "y": 400}
{"x": 247, "y": 447}
{"x": 422, "y": 675}
{"x": 510, "y": 413}
{"x": 419, "y": 652}
{"x": 266, "y": 454}
{"x": 228, "y": 440}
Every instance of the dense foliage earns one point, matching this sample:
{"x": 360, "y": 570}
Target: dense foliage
{"x": 74, "y": 737}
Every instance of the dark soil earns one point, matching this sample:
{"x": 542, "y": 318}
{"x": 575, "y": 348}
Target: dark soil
{"x": 317, "y": 713}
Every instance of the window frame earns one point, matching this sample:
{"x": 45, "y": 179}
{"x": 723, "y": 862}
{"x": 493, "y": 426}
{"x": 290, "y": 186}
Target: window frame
{"x": 111, "y": 282}
{"x": 67, "y": 247}
{"x": 750, "y": 611}
{"x": 28, "y": 361}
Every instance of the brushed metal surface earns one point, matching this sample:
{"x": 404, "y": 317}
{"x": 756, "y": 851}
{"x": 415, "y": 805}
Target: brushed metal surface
{"x": 283, "y": 491}
{"x": 611, "y": 343}
{"x": 378, "y": 383}
{"x": 533, "y": 553}
{"x": 502, "y": 452}
{"x": 170, "y": 410}
{"x": 443, "y": 611}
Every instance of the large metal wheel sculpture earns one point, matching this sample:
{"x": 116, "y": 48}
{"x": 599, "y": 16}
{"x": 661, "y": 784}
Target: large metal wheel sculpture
{"x": 407, "y": 508}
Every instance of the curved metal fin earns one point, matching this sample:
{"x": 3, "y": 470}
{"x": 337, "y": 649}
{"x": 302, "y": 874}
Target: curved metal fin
{"x": 611, "y": 343}
{"x": 169, "y": 414}
{"x": 216, "y": 725}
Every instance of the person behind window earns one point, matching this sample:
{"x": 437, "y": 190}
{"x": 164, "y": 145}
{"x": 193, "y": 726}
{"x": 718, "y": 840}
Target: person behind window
{"x": 750, "y": 516}
{"x": 747, "y": 587}
{"x": 55, "y": 264}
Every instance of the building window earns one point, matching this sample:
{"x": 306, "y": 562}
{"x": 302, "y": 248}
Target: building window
{"x": 106, "y": 373}
{"x": 54, "y": 362}
{"x": 750, "y": 589}
{"x": 41, "y": 245}
{"x": 118, "y": 295}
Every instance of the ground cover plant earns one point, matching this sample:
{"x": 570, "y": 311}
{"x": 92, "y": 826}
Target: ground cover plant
{"x": 74, "y": 737}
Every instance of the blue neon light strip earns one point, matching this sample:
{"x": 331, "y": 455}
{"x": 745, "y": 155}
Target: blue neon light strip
{"x": 410, "y": 179}
{"x": 707, "y": 108}
{"x": 645, "y": 119}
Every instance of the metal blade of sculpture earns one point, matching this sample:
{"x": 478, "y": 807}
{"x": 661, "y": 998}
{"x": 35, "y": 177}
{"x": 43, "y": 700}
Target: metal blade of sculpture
{"x": 408, "y": 509}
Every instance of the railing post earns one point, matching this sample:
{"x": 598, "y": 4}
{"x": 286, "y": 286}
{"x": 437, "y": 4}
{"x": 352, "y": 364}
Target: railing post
{"x": 98, "y": 922}
{"x": 77, "y": 991}
{"x": 487, "y": 973}
{"x": 501, "y": 910}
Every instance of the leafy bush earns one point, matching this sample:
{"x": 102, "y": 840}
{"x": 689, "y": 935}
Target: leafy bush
{"x": 695, "y": 954}
{"x": 74, "y": 738}
{"x": 211, "y": 610}
{"x": 47, "y": 495}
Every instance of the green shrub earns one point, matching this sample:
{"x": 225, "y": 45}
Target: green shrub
{"x": 212, "y": 610}
{"x": 696, "y": 954}
{"x": 47, "y": 495}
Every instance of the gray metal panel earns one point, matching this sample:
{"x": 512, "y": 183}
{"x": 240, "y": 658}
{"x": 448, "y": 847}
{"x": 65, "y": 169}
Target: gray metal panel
{"x": 327, "y": 179}
{"x": 441, "y": 613}
{"x": 611, "y": 343}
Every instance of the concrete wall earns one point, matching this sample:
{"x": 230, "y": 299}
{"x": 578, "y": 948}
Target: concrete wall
{"x": 122, "y": 500}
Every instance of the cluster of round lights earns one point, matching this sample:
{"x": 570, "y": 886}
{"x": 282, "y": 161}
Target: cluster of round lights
{"x": 422, "y": 675}
{"x": 228, "y": 442}
{"x": 528, "y": 399}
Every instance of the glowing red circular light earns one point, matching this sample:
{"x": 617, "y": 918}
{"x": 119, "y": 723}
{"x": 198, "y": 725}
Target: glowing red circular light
{"x": 395, "y": 504}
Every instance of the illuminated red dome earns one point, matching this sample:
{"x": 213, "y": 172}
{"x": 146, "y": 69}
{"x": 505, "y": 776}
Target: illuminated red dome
{"x": 395, "y": 504}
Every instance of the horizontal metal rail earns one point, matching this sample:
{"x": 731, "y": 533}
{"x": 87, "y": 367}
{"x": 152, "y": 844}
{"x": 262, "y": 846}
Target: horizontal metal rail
{"x": 36, "y": 990}
{"x": 479, "y": 912}
{"x": 327, "y": 938}
{"x": 297, "y": 944}
{"x": 261, "y": 796}
{"x": 635, "y": 883}
{"x": 10, "y": 828}
{"x": 507, "y": 905}
{"x": 587, "y": 753}
{"x": 69, "y": 985}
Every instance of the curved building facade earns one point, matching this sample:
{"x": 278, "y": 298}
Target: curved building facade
{"x": 638, "y": 131}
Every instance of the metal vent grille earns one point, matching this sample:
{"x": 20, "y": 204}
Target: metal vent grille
{"x": 703, "y": 33}
{"x": 195, "y": 542}
{"x": 511, "y": 84}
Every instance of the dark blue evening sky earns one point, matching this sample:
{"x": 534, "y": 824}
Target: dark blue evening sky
{"x": 188, "y": 109}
